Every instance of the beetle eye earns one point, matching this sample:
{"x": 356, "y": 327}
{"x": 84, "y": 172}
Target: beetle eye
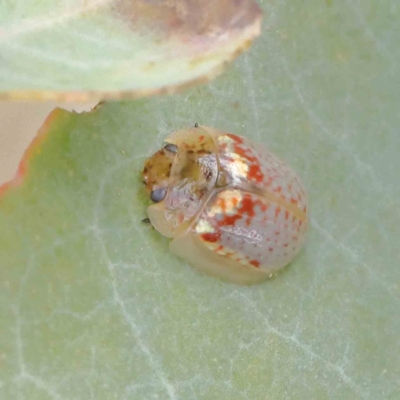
{"x": 171, "y": 147}
{"x": 158, "y": 195}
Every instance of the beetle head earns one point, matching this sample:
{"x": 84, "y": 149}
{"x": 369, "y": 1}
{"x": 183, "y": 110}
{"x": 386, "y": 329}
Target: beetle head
{"x": 179, "y": 178}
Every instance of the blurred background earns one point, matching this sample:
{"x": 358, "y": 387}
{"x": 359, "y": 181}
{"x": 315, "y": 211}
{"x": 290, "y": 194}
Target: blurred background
{"x": 19, "y": 123}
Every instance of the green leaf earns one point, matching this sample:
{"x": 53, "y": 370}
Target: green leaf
{"x": 93, "y": 305}
{"x": 79, "y": 50}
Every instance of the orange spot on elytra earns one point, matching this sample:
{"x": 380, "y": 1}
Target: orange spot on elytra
{"x": 277, "y": 212}
{"x": 201, "y": 138}
{"x": 255, "y": 263}
{"x": 229, "y": 220}
{"x": 286, "y": 214}
{"x": 211, "y": 237}
{"x": 235, "y": 138}
{"x": 247, "y": 206}
{"x": 255, "y": 173}
{"x": 221, "y": 202}
{"x": 293, "y": 201}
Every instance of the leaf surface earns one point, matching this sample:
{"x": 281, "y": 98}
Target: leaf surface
{"x": 93, "y": 304}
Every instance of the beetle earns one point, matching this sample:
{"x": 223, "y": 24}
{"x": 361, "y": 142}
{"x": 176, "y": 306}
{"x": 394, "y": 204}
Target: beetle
{"x": 233, "y": 209}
